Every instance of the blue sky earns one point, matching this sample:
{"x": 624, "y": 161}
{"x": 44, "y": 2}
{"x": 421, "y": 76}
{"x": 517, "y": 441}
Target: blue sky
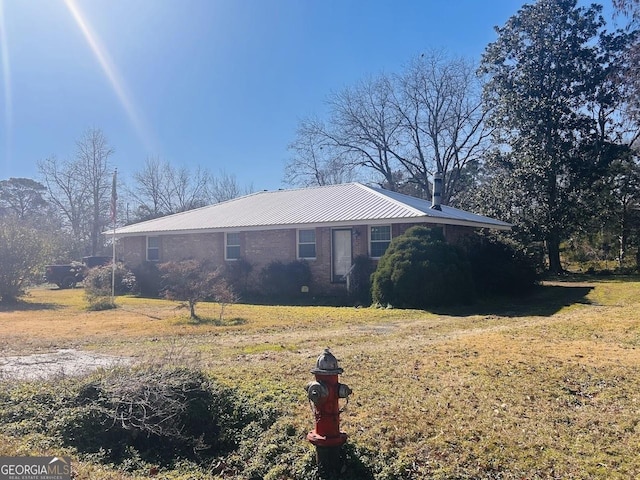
{"x": 220, "y": 84}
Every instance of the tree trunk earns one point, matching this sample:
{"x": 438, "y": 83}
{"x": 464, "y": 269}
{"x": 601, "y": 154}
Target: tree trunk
{"x": 553, "y": 248}
{"x": 192, "y": 310}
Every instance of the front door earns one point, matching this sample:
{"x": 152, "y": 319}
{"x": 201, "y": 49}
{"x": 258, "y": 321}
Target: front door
{"x": 340, "y": 254}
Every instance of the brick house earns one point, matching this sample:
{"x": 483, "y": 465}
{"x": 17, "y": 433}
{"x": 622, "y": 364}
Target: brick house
{"x": 326, "y": 226}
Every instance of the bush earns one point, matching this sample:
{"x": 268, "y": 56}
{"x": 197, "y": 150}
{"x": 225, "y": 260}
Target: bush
{"x": 237, "y": 275}
{"x": 360, "y": 280}
{"x": 160, "y": 413}
{"x": 499, "y": 267}
{"x": 98, "y": 285}
{"x": 193, "y": 281}
{"x": 285, "y": 281}
{"x": 419, "y": 270}
{"x": 148, "y": 279}
{"x": 22, "y": 249}
{"x": 128, "y": 416}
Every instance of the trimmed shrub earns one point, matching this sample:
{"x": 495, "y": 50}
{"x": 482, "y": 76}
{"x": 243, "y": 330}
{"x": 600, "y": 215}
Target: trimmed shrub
{"x": 148, "y": 279}
{"x": 360, "y": 280}
{"x": 285, "y": 280}
{"x": 419, "y": 270}
{"x": 499, "y": 267}
{"x": 237, "y": 275}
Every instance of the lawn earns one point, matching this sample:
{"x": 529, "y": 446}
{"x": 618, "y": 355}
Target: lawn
{"x": 542, "y": 387}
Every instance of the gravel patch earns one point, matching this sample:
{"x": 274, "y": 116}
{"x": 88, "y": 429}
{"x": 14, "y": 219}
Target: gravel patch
{"x": 66, "y": 362}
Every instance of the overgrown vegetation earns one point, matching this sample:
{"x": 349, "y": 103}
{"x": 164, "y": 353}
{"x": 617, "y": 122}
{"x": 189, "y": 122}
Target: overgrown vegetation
{"x": 543, "y": 387}
{"x": 420, "y": 270}
{"x": 150, "y": 415}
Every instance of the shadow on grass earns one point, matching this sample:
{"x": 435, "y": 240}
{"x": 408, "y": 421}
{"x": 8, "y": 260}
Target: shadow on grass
{"x": 216, "y": 322}
{"x": 27, "y": 307}
{"x": 543, "y": 300}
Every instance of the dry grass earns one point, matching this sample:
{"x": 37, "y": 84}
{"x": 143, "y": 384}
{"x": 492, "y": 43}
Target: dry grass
{"x": 544, "y": 387}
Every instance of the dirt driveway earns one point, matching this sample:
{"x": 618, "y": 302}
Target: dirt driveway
{"x": 67, "y": 362}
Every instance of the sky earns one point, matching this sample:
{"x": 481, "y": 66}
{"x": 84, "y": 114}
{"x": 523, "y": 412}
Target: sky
{"x": 220, "y": 84}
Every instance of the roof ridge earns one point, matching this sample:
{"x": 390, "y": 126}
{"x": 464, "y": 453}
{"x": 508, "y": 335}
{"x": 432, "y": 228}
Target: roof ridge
{"x": 378, "y": 192}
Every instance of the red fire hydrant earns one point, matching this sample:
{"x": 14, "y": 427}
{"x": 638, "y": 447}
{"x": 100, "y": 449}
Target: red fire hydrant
{"x": 323, "y": 395}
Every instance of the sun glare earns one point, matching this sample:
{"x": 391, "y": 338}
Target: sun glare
{"x": 111, "y": 72}
{"x": 6, "y": 79}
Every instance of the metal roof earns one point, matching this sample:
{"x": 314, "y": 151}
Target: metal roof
{"x": 332, "y": 205}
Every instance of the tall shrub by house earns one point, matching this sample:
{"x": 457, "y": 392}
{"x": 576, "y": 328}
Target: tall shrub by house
{"x": 499, "y": 267}
{"x": 284, "y": 281}
{"x": 421, "y": 270}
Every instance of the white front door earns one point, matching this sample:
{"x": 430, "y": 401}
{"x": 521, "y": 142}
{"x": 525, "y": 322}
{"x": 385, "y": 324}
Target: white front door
{"x": 340, "y": 254}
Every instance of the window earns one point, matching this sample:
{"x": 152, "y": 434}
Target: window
{"x": 232, "y": 250}
{"x": 153, "y": 249}
{"x": 380, "y": 237}
{"x": 307, "y": 243}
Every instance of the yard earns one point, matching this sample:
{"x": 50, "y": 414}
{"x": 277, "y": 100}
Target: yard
{"x": 542, "y": 387}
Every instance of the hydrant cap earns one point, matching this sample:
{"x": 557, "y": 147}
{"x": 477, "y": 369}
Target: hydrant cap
{"x": 327, "y": 364}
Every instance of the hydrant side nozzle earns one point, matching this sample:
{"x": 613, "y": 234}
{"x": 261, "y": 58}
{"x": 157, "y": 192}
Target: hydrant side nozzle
{"x": 344, "y": 391}
{"x": 316, "y": 392}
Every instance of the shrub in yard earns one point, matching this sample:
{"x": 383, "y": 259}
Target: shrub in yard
{"x": 192, "y": 281}
{"x": 360, "y": 280}
{"x": 160, "y": 414}
{"x": 285, "y": 280}
{"x": 98, "y": 285}
{"x": 22, "y": 250}
{"x": 499, "y": 267}
{"x": 148, "y": 279}
{"x": 419, "y": 269}
{"x": 237, "y": 275}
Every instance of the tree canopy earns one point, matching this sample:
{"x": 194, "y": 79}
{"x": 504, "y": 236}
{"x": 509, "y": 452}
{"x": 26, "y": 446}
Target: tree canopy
{"x": 546, "y": 70}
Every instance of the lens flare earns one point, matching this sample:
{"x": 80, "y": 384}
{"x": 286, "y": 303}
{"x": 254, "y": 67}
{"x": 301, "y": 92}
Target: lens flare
{"x": 112, "y": 73}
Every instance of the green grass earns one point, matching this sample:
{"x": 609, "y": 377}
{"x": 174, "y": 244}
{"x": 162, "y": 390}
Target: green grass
{"x": 541, "y": 387}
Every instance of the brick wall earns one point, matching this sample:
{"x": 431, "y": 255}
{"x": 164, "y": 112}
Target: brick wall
{"x": 260, "y": 248}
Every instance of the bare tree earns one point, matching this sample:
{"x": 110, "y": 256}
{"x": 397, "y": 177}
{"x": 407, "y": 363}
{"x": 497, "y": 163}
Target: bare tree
{"x": 67, "y": 192}
{"x": 93, "y": 165}
{"x": 161, "y": 189}
{"x": 440, "y": 102}
{"x": 366, "y": 128}
{"x": 316, "y": 161}
{"x": 149, "y": 191}
{"x": 226, "y": 187}
{"x": 80, "y": 188}
{"x": 631, "y": 10}
{"x": 403, "y": 129}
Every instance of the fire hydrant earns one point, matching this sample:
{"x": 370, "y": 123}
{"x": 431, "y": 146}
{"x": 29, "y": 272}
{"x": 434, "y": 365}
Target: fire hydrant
{"x": 323, "y": 395}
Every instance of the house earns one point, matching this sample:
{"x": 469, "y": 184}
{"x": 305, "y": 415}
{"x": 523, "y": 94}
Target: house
{"x": 326, "y": 226}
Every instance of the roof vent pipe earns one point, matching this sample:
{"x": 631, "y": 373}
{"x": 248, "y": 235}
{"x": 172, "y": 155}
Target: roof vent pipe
{"x": 437, "y": 191}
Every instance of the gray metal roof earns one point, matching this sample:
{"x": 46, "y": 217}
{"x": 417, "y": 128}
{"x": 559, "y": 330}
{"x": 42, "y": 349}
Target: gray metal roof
{"x": 332, "y": 205}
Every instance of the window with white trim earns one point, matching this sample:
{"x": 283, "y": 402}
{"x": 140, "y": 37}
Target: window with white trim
{"x": 153, "y": 249}
{"x": 307, "y": 244}
{"x": 232, "y": 246}
{"x": 379, "y": 239}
